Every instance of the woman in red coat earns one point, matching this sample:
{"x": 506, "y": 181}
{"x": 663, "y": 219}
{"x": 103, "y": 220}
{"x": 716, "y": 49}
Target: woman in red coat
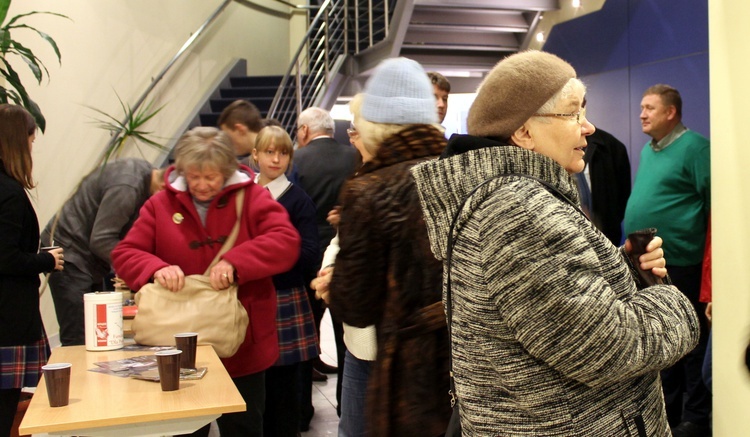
{"x": 181, "y": 229}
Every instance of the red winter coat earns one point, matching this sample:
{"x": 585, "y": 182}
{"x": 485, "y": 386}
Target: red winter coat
{"x": 169, "y": 222}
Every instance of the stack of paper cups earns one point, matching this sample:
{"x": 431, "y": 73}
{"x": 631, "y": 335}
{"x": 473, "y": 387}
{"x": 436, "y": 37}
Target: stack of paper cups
{"x": 102, "y": 313}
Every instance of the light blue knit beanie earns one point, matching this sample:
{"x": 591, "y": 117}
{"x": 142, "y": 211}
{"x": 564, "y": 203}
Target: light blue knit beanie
{"x": 399, "y": 92}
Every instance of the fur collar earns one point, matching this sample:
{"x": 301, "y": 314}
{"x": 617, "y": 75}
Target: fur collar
{"x": 413, "y": 142}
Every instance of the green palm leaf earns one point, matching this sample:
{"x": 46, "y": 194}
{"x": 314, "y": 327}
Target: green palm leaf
{"x": 131, "y": 127}
{"x": 15, "y": 91}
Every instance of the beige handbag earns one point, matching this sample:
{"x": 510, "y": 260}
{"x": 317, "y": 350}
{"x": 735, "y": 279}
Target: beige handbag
{"x": 217, "y": 316}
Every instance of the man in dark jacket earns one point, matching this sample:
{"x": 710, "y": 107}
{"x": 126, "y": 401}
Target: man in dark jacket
{"x": 322, "y": 166}
{"x": 88, "y": 227}
{"x": 607, "y": 183}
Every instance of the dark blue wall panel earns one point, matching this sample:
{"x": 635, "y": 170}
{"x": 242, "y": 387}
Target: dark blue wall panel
{"x": 595, "y": 42}
{"x": 608, "y": 102}
{"x": 663, "y": 29}
{"x": 630, "y": 45}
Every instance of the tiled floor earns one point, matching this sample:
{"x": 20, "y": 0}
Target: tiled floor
{"x": 325, "y": 422}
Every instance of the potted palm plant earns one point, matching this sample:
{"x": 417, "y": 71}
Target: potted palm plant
{"x": 13, "y": 90}
{"x": 129, "y": 130}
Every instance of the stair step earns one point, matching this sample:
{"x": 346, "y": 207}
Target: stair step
{"x": 210, "y": 119}
{"x": 249, "y": 92}
{"x": 262, "y": 103}
{"x": 250, "y": 81}
{"x": 260, "y": 90}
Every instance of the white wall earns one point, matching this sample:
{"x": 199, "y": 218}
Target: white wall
{"x": 111, "y": 47}
{"x": 730, "y": 192}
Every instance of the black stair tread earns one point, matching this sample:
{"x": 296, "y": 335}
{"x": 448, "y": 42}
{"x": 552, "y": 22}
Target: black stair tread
{"x": 260, "y": 90}
{"x": 212, "y": 118}
{"x": 265, "y": 91}
{"x": 255, "y": 81}
{"x": 262, "y": 103}
{"x": 249, "y": 92}
{"x": 246, "y": 93}
{"x": 250, "y": 99}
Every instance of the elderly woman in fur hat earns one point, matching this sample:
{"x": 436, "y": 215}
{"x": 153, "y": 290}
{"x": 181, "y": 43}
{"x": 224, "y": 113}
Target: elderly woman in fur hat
{"x": 553, "y": 331}
{"x": 385, "y": 274}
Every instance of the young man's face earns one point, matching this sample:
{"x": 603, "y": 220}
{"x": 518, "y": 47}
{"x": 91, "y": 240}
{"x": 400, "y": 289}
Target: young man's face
{"x": 242, "y": 138}
{"x": 441, "y": 97}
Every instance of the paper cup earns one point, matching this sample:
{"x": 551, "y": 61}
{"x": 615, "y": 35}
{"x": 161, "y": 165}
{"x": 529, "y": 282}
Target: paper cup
{"x": 187, "y": 342}
{"x": 168, "y": 362}
{"x": 57, "y": 379}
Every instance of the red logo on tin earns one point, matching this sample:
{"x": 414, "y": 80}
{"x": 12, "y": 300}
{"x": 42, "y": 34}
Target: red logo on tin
{"x": 101, "y": 325}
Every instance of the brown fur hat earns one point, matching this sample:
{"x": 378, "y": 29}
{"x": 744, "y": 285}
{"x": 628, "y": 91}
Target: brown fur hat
{"x": 514, "y": 90}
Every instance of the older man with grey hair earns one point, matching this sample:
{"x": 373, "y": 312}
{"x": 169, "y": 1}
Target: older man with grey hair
{"x": 322, "y": 166}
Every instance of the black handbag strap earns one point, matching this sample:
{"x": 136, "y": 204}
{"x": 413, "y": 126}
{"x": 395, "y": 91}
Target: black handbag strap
{"x": 449, "y": 255}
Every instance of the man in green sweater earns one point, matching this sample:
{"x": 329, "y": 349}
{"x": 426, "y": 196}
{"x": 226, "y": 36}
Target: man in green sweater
{"x": 672, "y": 192}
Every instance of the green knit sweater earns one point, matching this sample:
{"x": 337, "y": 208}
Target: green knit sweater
{"x": 672, "y": 192}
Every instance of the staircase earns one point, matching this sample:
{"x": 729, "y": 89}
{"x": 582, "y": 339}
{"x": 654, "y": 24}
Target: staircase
{"x": 470, "y": 36}
{"x": 463, "y": 39}
{"x": 257, "y": 89}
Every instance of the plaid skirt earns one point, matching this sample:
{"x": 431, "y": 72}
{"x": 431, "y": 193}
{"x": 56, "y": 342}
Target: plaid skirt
{"x": 21, "y": 366}
{"x": 298, "y": 339}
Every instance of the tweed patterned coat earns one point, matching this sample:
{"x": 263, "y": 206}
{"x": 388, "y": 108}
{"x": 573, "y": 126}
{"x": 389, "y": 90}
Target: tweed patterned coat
{"x": 550, "y": 335}
{"x": 386, "y": 276}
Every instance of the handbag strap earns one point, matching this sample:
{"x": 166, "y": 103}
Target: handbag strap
{"x": 449, "y": 255}
{"x": 229, "y": 242}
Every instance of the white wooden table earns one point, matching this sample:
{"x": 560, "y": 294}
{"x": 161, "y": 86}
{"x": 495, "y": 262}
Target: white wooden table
{"x": 107, "y": 405}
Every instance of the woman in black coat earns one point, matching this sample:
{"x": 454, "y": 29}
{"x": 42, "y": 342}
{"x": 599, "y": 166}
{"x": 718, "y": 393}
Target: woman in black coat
{"x": 23, "y": 343}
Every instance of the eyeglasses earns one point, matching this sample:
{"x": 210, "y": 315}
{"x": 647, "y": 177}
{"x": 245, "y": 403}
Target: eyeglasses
{"x": 577, "y": 116}
{"x": 301, "y": 126}
{"x": 352, "y": 132}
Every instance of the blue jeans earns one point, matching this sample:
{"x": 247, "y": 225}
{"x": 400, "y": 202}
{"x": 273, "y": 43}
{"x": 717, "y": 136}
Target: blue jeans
{"x": 353, "y": 394}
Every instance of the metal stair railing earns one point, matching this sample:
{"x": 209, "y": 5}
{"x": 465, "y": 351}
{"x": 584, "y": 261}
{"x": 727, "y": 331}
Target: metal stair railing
{"x": 339, "y": 29}
{"x": 327, "y": 39}
{"x": 194, "y": 36}
{"x": 190, "y": 41}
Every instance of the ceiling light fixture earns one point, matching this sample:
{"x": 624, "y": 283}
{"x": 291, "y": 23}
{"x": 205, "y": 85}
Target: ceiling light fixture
{"x": 540, "y": 37}
{"x": 576, "y": 3}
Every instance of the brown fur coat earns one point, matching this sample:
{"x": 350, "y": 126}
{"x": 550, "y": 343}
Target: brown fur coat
{"x": 386, "y": 275}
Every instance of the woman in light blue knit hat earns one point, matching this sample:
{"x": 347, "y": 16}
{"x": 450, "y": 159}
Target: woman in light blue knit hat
{"x": 385, "y": 274}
